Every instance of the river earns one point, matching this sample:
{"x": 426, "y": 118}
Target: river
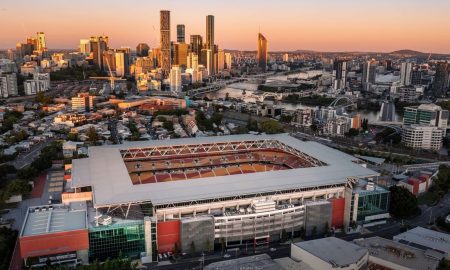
{"x": 236, "y": 91}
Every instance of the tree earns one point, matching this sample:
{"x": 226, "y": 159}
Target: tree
{"x": 216, "y": 118}
{"x": 252, "y": 124}
{"x": 270, "y": 126}
{"x": 284, "y": 236}
{"x": 176, "y": 249}
{"x": 41, "y": 98}
{"x": 193, "y": 248}
{"x": 286, "y": 118}
{"x": 7, "y": 242}
{"x": 302, "y": 233}
{"x": 27, "y": 173}
{"x": 403, "y": 203}
{"x": 72, "y": 137}
{"x": 207, "y": 244}
{"x": 92, "y": 135}
{"x": 326, "y": 228}
{"x": 168, "y": 125}
{"x": 129, "y": 86}
{"x": 314, "y": 128}
{"x": 222, "y": 244}
{"x": 365, "y": 124}
{"x": 443, "y": 265}
{"x": 352, "y": 132}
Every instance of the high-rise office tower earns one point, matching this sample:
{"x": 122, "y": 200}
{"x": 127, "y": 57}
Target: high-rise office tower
{"x": 210, "y": 43}
{"x": 207, "y": 60}
{"x": 405, "y": 73}
{"x": 181, "y": 38}
{"x": 175, "y": 79}
{"x": 416, "y": 76}
{"x": 369, "y": 74}
{"x": 387, "y": 112}
{"x": 109, "y": 60}
{"x": 192, "y": 60}
{"x": 387, "y": 64}
{"x": 98, "y": 46}
{"x": 120, "y": 63}
{"x": 197, "y": 46}
{"x": 441, "y": 79}
{"x": 123, "y": 61}
{"x": 40, "y": 41}
{"x": 8, "y": 85}
{"x": 262, "y": 52}
{"x": 85, "y": 46}
{"x": 220, "y": 60}
{"x": 165, "y": 41}
{"x": 228, "y": 61}
{"x": 286, "y": 57}
{"x": 142, "y": 49}
{"x": 179, "y": 54}
{"x": 339, "y": 74}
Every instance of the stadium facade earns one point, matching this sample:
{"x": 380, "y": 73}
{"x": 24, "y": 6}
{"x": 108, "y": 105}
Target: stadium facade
{"x": 197, "y": 194}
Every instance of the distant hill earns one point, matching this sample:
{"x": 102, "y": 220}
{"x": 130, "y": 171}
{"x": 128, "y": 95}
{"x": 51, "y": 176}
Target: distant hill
{"x": 407, "y": 52}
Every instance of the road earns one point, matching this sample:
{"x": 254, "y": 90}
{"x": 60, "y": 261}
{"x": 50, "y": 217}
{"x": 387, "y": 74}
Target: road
{"x": 25, "y": 159}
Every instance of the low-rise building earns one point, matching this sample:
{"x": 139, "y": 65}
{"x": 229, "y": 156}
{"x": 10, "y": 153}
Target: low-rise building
{"x": 426, "y": 239}
{"x": 417, "y": 185}
{"x": 46, "y": 227}
{"x": 369, "y": 204}
{"x": 330, "y": 253}
{"x": 395, "y": 255}
{"x": 70, "y": 120}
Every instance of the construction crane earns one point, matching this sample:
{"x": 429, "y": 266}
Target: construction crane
{"x": 111, "y": 78}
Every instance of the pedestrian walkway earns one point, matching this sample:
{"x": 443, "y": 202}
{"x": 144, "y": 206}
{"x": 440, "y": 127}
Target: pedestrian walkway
{"x": 39, "y": 185}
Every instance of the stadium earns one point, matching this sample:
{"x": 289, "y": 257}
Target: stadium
{"x": 151, "y": 197}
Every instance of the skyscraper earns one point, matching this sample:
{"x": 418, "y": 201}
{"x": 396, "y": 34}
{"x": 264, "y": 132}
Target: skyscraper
{"x": 339, "y": 74}
{"x": 85, "y": 46}
{"x": 123, "y": 61}
{"x": 109, "y": 60}
{"x": 197, "y": 45}
{"x": 120, "y": 63}
{"x": 220, "y": 60}
{"x": 40, "y": 41}
{"x": 181, "y": 33}
{"x": 210, "y": 43}
{"x": 142, "y": 49}
{"x": 98, "y": 46}
{"x": 175, "y": 79}
{"x": 228, "y": 60}
{"x": 207, "y": 60}
{"x": 165, "y": 41}
{"x": 192, "y": 60}
{"x": 405, "y": 73}
{"x": 262, "y": 52}
{"x": 440, "y": 83}
{"x": 369, "y": 74}
{"x": 179, "y": 54}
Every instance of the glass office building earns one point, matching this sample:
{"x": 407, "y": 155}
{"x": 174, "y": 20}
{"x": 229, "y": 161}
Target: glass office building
{"x": 370, "y": 203}
{"x": 124, "y": 238}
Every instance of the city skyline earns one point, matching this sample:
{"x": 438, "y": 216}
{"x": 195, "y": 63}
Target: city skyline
{"x": 291, "y": 25}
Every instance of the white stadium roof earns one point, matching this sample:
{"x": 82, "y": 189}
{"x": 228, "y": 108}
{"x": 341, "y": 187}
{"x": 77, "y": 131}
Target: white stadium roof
{"x": 106, "y": 172}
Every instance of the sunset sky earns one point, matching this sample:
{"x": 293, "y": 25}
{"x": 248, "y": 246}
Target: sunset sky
{"x": 322, "y": 25}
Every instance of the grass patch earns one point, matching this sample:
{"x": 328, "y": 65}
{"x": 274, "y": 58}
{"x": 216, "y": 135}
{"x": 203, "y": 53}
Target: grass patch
{"x": 428, "y": 198}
